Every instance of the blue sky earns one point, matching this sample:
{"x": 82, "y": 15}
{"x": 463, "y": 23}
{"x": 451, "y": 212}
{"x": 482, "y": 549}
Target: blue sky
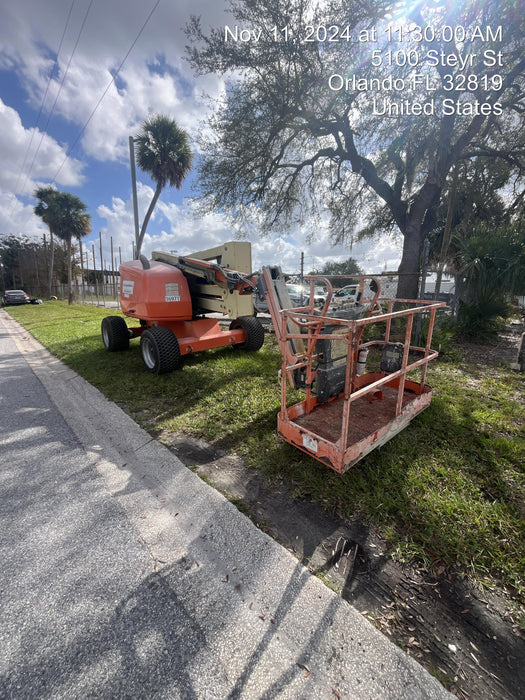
{"x": 57, "y": 59}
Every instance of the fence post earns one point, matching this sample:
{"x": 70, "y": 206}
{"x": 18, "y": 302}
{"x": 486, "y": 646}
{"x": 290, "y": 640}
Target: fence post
{"x": 426, "y": 250}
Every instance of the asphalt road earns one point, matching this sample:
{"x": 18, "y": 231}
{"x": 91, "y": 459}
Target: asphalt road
{"x": 125, "y": 576}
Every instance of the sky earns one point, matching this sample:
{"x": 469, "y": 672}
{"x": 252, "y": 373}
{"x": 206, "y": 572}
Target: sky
{"x": 77, "y": 77}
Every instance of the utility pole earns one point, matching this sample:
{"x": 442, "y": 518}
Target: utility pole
{"x": 134, "y": 191}
{"x": 113, "y": 285}
{"x": 104, "y": 279}
{"x": 95, "y": 271}
{"x": 82, "y": 269}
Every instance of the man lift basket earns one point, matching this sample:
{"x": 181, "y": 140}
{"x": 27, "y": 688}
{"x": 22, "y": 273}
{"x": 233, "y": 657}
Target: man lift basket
{"x": 346, "y": 411}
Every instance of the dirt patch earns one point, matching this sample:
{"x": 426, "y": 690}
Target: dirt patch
{"x": 500, "y": 350}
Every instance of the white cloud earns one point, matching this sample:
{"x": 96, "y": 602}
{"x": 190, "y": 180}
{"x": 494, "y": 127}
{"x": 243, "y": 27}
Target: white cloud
{"x": 154, "y": 78}
{"x": 18, "y": 218}
{"x": 184, "y": 232}
{"x": 107, "y": 32}
{"x": 17, "y": 143}
{"x": 120, "y": 228}
{"x": 22, "y": 149}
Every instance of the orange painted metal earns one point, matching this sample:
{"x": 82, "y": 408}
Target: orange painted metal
{"x": 159, "y": 295}
{"x": 200, "y": 334}
{"x": 367, "y": 410}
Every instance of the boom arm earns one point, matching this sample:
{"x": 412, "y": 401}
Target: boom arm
{"x": 222, "y": 289}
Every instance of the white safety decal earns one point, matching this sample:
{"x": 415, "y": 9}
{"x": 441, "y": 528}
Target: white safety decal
{"x": 310, "y": 443}
{"x": 172, "y": 291}
{"x": 127, "y": 287}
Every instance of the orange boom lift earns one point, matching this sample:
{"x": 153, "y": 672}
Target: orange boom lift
{"x": 170, "y": 295}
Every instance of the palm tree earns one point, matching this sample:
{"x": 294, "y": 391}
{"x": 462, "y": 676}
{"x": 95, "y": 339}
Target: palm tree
{"x": 46, "y": 209}
{"x": 491, "y": 264}
{"x": 163, "y": 151}
{"x": 72, "y": 222}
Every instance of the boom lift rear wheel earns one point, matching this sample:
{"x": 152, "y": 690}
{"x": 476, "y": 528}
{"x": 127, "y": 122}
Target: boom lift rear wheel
{"x": 115, "y": 333}
{"x": 160, "y": 350}
{"x": 254, "y": 332}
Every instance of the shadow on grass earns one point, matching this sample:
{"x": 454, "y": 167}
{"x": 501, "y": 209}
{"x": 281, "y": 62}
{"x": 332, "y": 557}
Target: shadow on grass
{"x": 441, "y": 490}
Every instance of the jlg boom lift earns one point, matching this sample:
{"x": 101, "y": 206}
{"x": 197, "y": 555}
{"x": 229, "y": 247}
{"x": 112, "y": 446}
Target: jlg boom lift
{"x": 171, "y": 295}
{"x": 346, "y": 411}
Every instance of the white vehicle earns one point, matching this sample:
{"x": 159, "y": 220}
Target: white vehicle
{"x": 348, "y": 293}
{"x": 300, "y": 296}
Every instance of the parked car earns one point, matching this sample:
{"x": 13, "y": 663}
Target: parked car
{"x": 348, "y": 293}
{"x": 15, "y": 296}
{"x": 300, "y": 296}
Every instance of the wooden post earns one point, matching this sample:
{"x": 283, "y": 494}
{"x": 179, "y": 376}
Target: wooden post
{"x": 102, "y": 269}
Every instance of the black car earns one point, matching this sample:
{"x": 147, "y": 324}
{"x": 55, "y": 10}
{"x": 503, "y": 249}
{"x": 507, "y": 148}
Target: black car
{"x": 15, "y": 296}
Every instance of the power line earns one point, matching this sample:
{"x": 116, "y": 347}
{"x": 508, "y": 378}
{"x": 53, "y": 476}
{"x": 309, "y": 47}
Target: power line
{"x": 44, "y": 131}
{"x": 41, "y": 107}
{"x": 63, "y": 81}
{"x": 70, "y": 149}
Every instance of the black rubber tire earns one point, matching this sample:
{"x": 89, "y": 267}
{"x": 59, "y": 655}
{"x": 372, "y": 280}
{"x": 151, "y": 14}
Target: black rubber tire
{"x": 160, "y": 350}
{"x": 254, "y": 332}
{"x": 115, "y": 334}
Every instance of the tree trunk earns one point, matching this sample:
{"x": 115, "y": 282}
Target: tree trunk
{"x": 145, "y": 223}
{"x": 447, "y": 233}
{"x": 417, "y": 222}
{"x": 408, "y": 270}
{"x": 52, "y": 260}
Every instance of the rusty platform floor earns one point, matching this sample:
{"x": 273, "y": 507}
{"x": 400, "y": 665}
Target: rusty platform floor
{"x": 366, "y": 417}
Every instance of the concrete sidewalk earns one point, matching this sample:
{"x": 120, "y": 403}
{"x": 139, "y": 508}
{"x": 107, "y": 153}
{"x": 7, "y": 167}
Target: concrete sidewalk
{"x": 125, "y": 575}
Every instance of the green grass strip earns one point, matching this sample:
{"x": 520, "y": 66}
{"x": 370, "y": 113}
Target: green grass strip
{"x": 449, "y": 490}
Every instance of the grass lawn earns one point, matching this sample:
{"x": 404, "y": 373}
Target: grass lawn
{"x": 449, "y": 490}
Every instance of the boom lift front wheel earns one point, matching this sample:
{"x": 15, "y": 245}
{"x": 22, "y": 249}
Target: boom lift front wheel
{"x": 254, "y": 332}
{"x": 160, "y": 350}
{"x": 115, "y": 333}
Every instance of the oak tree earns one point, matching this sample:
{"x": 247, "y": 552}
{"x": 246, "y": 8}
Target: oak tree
{"x": 359, "y": 110}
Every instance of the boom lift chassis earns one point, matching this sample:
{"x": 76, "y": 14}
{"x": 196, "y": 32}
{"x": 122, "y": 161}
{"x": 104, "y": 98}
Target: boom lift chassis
{"x": 171, "y": 296}
{"x": 346, "y": 412}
